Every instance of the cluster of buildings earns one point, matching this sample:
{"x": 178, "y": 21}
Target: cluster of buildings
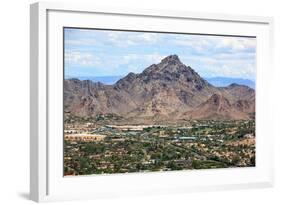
{"x": 84, "y": 137}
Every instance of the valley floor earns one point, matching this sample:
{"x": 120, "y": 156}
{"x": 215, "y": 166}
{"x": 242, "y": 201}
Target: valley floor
{"x": 102, "y": 149}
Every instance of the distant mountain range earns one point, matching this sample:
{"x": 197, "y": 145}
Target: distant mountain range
{"x": 224, "y": 81}
{"x": 107, "y": 80}
{"x": 216, "y": 81}
{"x": 167, "y": 91}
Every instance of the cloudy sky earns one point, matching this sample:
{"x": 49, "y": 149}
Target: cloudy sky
{"x": 116, "y": 53}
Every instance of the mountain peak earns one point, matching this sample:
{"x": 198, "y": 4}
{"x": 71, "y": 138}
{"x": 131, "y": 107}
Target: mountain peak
{"x": 171, "y": 69}
{"x": 239, "y": 86}
{"x": 170, "y": 58}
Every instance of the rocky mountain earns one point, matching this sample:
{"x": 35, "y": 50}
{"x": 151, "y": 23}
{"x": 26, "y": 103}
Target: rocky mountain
{"x": 217, "y": 107}
{"x": 164, "y": 91}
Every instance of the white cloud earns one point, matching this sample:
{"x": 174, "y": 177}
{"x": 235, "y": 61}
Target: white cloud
{"x": 239, "y": 70}
{"x": 222, "y": 66}
{"x": 118, "y": 38}
{"x": 197, "y": 43}
{"x": 81, "y": 42}
{"x": 145, "y": 38}
{"x": 130, "y": 57}
{"x": 147, "y": 58}
{"x": 154, "y": 58}
{"x": 122, "y": 39}
{"x": 215, "y": 43}
{"x": 236, "y": 43}
{"x": 82, "y": 58}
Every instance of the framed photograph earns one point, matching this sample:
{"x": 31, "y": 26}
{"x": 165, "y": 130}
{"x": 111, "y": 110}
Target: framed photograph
{"x": 128, "y": 102}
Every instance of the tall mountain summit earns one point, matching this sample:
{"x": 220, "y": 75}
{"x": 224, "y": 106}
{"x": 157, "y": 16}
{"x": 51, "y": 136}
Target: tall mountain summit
{"x": 165, "y": 91}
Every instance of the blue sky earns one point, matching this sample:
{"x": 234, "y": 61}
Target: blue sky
{"x": 91, "y": 52}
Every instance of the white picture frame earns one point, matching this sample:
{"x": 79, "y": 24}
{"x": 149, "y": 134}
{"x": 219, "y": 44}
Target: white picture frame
{"x": 46, "y": 177}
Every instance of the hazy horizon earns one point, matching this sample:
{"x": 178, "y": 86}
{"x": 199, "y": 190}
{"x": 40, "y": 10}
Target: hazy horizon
{"x": 216, "y": 81}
